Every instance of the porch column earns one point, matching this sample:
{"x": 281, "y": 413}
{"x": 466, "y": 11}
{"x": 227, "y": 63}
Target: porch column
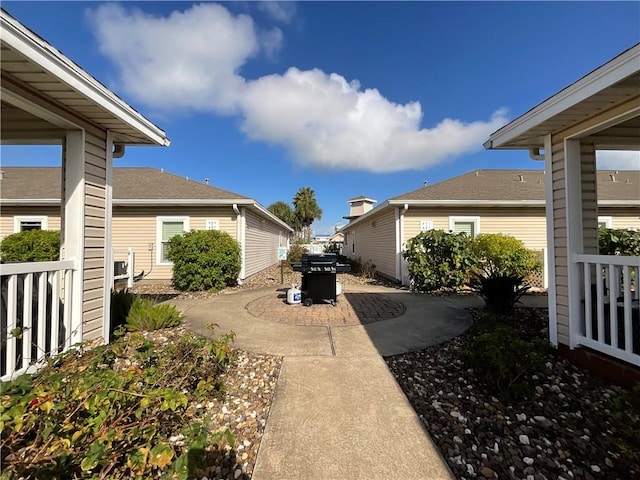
{"x": 73, "y": 165}
{"x": 108, "y": 250}
{"x": 550, "y": 260}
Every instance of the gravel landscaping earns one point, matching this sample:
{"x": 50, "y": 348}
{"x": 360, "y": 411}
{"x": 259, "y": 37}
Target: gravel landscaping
{"x": 565, "y": 431}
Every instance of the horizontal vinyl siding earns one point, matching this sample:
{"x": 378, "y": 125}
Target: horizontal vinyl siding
{"x": 560, "y": 240}
{"x": 135, "y": 227}
{"x": 8, "y": 213}
{"x": 525, "y": 224}
{"x": 261, "y": 243}
{"x": 94, "y": 235}
{"x": 375, "y": 242}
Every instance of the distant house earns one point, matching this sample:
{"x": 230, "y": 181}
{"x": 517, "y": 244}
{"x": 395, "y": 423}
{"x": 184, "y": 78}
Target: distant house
{"x": 482, "y": 201}
{"x": 149, "y": 207}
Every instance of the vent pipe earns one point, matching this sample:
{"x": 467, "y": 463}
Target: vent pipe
{"x": 206, "y": 181}
{"x": 521, "y": 177}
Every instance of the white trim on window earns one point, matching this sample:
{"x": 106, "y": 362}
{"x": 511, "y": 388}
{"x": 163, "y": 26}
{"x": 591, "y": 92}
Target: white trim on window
{"x": 18, "y": 220}
{"x": 159, "y": 222}
{"x": 475, "y": 220}
{"x": 607, "y": 221}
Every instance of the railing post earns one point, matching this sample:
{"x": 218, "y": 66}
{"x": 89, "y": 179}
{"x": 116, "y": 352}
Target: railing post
{"x": 130, "y": 267}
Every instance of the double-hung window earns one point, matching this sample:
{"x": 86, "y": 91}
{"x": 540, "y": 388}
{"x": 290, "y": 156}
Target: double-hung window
{"x": 166, "y": 229}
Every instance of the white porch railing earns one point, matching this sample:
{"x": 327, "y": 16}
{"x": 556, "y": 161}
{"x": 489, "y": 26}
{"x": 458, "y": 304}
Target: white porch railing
{"x": 35, "y": 314}
{"x": 611, "y": 310}
{"x": 128, "y": 266}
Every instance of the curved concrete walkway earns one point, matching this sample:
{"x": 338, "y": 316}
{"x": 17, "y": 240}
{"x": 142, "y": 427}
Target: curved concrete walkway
{"x": 338, "y": 413}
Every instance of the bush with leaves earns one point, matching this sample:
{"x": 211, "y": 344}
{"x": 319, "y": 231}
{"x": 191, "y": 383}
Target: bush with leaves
{"x": 204, "y": 260}
{"x": 619, "y": 241}
{"x": 499, "y": 254}
{"x": 31, "y": 246}
{"x": 501, "y": 291}
{"x": 295, "y": 253}
{"x": 505, "y": 362}
{"x": 145, "y": 315}
{"x": 436, "y": 260}
{"x": 112, "y": 411}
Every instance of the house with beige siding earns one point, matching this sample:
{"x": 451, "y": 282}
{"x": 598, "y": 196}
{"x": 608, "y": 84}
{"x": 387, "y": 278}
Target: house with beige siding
{"x": 511, "y": 202}
{"x": 593, "y": 299}
{"x": 47, "y": 99}
{"x": 149, "y": 207}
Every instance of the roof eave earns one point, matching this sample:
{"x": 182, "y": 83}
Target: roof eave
{"x": 27, "y": 43}
{"x": 617, "y": 69}
{"x": 467, "y": 203}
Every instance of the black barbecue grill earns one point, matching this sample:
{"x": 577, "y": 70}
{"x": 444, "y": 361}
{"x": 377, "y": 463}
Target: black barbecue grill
{"x": 319, "y": 277}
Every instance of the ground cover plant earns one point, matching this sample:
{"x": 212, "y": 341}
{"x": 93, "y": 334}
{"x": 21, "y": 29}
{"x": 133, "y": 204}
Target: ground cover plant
{"x": 123, "y": 410}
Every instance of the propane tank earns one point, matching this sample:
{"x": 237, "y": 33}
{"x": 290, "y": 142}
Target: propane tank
{"x": 338, "y": 288}
{"x": 294, "y": 295}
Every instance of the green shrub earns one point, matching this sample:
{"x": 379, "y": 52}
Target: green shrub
{"x": 504, "y": 362}
{"x": 498, "y": 254}
{"x": 204, "y": 260}
{"x": 111, "y": 411}
{"x": 121, "y": 301}
{"x": 436, "y": 259}
{"x": 618, "y": 241}
{"x": 31, "y": 246}
{"x": 144, "y": 315}
{"x": 501, "y": 291}
{"x": 333, "y": 247}
{"x": 295, "y": 254}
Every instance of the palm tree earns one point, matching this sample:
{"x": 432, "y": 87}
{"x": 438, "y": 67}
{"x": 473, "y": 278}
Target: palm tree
{"x": 306, "y": 210}
{"x": 284, "y": 212}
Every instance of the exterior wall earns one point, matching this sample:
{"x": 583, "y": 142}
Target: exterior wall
{"x": 135, "y": 227}
{"x": 8, "y": 213}
{"x": 526, "y": 224}
{"x": 94, "y": 235}
{"x": 262, "y": 239}
{"x": 374, "y": 239}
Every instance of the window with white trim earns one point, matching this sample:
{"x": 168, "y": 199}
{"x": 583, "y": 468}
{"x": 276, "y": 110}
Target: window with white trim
{"x": 605, "y": 222}
{"x": 29, "y": 222}
{"x": 167, "y": 228}
{"x": 426, "y": 225}
{"x": 468, "y": 225}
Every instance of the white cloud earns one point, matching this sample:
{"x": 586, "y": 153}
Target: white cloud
{"x": 191, "y": 60}
{"x": 617, "y": 160}
{"x": 280, "y": 11}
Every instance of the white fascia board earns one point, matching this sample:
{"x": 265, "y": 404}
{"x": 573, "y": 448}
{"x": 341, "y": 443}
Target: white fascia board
{"x": 469, "y": 203}
{"x": 619, "y": 203}
{"x": 265, "y": 212}
{"x": 617, "y": 69}
{"x": 30, "y": 201}
{"x": 180, "y": 201}
{"x": 38, "y": 51}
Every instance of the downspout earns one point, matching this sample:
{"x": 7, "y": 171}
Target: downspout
{"x": 118, "y": 150}
{"x": 240, "y": 236}
{"x": 399, "y": 237}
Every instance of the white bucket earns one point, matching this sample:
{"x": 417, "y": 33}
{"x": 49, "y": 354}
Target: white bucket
{"x": 294, "y": 295}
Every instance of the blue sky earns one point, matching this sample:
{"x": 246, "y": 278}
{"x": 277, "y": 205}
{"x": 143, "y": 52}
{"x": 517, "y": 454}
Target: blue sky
{"x": 348, "y": 98}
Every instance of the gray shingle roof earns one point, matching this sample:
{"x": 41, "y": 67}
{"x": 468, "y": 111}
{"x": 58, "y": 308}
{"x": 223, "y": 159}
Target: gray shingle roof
{"x": 506, "y": 185}
{"x": 32, "y": 183}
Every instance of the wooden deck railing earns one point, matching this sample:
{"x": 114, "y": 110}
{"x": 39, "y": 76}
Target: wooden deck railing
{"x": 610, "y": 311}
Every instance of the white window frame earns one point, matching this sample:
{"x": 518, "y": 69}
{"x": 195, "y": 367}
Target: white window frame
{"x": 475, "y": 220}
{"x": 159, "y": 222}
{"x": 17, "y": 220}
{"x": 608, "y": 221}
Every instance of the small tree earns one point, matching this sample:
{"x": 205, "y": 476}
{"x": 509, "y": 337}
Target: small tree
{"x": 619, "y": 241}
{"x": 31, "y": 246}
{"x": 204, "y": 260}
{"x": 306, "y": 210}
{"x": 284, "y": 212}
{"x": 498, "y": 254}
{"x": 436, "y": 259}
